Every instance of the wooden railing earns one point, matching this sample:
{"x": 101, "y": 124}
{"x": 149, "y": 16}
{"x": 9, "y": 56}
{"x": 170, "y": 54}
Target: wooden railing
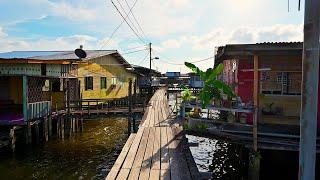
{"x": 104, "y": 103}
{"x": 38, "y": 109}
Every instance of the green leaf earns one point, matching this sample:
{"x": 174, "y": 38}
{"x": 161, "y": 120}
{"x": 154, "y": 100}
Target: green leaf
{"x": 195, "y": 69}
{"x": 217, "y": 71}
{"x": 213, "y": 88}
{"x": 182, "y": 86}
{"x": 224, "y": 87}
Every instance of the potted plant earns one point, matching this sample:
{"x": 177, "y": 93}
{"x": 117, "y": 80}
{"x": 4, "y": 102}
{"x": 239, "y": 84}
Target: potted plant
{"x": 213, "y": 89}
{"x": 187, "y": 97}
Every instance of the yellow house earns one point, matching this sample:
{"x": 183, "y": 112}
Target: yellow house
{"x": 104, "y": 74}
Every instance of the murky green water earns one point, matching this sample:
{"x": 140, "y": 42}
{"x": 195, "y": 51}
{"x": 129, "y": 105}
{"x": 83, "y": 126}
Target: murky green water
{"x": 86, "y": 155}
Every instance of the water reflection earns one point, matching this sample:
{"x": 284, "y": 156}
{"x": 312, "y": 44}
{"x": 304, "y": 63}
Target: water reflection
{"x": 224, "y": 160}
{"x": 87, "y": 155}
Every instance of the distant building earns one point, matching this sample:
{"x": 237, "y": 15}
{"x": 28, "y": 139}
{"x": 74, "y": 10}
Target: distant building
{"x": 144, "y": 74}
{"x": 172, "y": 74}
{"x": 173, "y": 79}
{"x": 195, "y": 81}
{"x": 276, "y": 88}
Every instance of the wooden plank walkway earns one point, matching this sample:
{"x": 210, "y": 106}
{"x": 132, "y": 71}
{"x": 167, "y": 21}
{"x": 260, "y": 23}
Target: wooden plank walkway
{"x": 158, "y": 150}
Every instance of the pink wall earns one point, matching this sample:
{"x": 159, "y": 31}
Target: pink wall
{"x": 245, "y": 85}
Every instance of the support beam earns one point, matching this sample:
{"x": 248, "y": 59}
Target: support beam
{"x": 310, "y": 90}
{"x": 25, "y": 97}
{"x": 256, "y": 80}
{"x": 130, "y": 107}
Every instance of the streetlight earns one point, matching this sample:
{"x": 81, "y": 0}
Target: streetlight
{"x": 155, "y": 58}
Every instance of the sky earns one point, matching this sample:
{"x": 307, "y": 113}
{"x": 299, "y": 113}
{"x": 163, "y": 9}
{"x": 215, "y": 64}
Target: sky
{"x": 180, "y": 30}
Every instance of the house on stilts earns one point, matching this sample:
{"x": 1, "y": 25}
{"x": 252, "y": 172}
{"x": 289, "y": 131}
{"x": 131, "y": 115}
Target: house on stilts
{"x": 39, "y": 85}
{"x": 266, "y": 76}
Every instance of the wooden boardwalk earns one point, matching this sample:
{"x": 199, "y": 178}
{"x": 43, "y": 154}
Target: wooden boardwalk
{"x": 158, "y": 150}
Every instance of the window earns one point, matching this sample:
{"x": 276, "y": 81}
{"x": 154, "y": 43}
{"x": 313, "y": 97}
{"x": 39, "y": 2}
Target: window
{"x": 43, "y": 69}
{"x": 113, "y": 81}
{"x": 56, "y": 86}
{"x": 88, "y": 81}
{"x": 284, "y": 78}
{"x": 281, "y": 83}
{"x": 103, "y": 83}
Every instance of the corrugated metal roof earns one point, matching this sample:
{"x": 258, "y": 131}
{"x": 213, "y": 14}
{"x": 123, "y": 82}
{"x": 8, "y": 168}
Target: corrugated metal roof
{"x": 281, "y": 43}
{"x": 266, "y": 48}
{"x": 53, "y": 55}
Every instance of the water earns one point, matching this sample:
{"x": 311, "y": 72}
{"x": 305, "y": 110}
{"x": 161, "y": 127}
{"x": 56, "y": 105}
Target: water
{"x": 86, "y": 155}
{"x": 225, "y": 160}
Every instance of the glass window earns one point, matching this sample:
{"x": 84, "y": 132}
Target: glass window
{"x": 114, "y": 81}
{"x": 88, "y": 81}
{"x": 103, "y": 83}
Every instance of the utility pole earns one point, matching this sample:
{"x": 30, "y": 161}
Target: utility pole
{"x": 150, "y": 49}
{"x": 309, "y": 91}
{"x": 150, "y": 74}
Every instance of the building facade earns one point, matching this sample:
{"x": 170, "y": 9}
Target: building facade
{"x": 266, "y": 75}
{"x": 106, "y": 76}
{"x": 32, "y": 84}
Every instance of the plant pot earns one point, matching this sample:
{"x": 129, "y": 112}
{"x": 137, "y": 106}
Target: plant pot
{"x": 230, "y": 118}
{"x": 194, "y": 123}
{"x": 182, "y": 110}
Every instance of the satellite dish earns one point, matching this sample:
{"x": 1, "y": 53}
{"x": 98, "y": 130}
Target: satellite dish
{"x": 80, "y": 53}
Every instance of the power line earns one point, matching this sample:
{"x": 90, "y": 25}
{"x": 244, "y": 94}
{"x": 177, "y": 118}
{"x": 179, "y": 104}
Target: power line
{"x": 128, "y": 14}
{"x": 128, "y": 23}
{"x": 135, "y": 19}
{"x": 133, "y": 51}
{"x": 116, "y": 29}
{"x": 167, "y": 61}
{"x": 147, "y": 54}
{"x": 133, "y": 48}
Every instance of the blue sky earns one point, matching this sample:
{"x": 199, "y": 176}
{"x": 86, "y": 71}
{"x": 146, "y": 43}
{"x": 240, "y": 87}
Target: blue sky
{"x": 180, "y": 30}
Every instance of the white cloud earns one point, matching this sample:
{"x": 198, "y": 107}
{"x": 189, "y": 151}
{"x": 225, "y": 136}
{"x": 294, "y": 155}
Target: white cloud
{"x": 171, "y": 43}
{"x": 222, "y": 36}
{"x": 2, "y": 33}
{"x": 72, "y": 12}
{"x": 59, "y": 43}
{"x": 180, "y": 3}
{"x": 202, "y": 46}
{"x": 106, "y": 43}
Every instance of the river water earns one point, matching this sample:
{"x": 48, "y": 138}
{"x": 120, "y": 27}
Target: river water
{"x": 86, "y": 155}
{"x": 224, "y": 160}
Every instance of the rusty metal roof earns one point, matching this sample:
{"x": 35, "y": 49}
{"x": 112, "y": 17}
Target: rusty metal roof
{"x": 61, "y": 55}
{"x": 53, "y": 55}
{"x": 267, "y": 49}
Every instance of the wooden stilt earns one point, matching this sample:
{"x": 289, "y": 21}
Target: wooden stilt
{"x": 37, "y": 132}
{"x": 73, "y": 125}
{"x": 58, "y": 127}
{"x": 62, "y": 128}
{"x": 70, "y": 125}
{"x": 28, "y": 133}
{"x": 81, "y": 124}
{"x": 13, "y": 138}
{"x": 50, "y": 125}
{"x": 254, "y": 165}
{"x": 45, "y": 129}
{"x": 77, "y": 124}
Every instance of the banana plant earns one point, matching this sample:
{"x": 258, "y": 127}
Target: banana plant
{"x": 213, "y": 88}
{"x": 186, "y": 94}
